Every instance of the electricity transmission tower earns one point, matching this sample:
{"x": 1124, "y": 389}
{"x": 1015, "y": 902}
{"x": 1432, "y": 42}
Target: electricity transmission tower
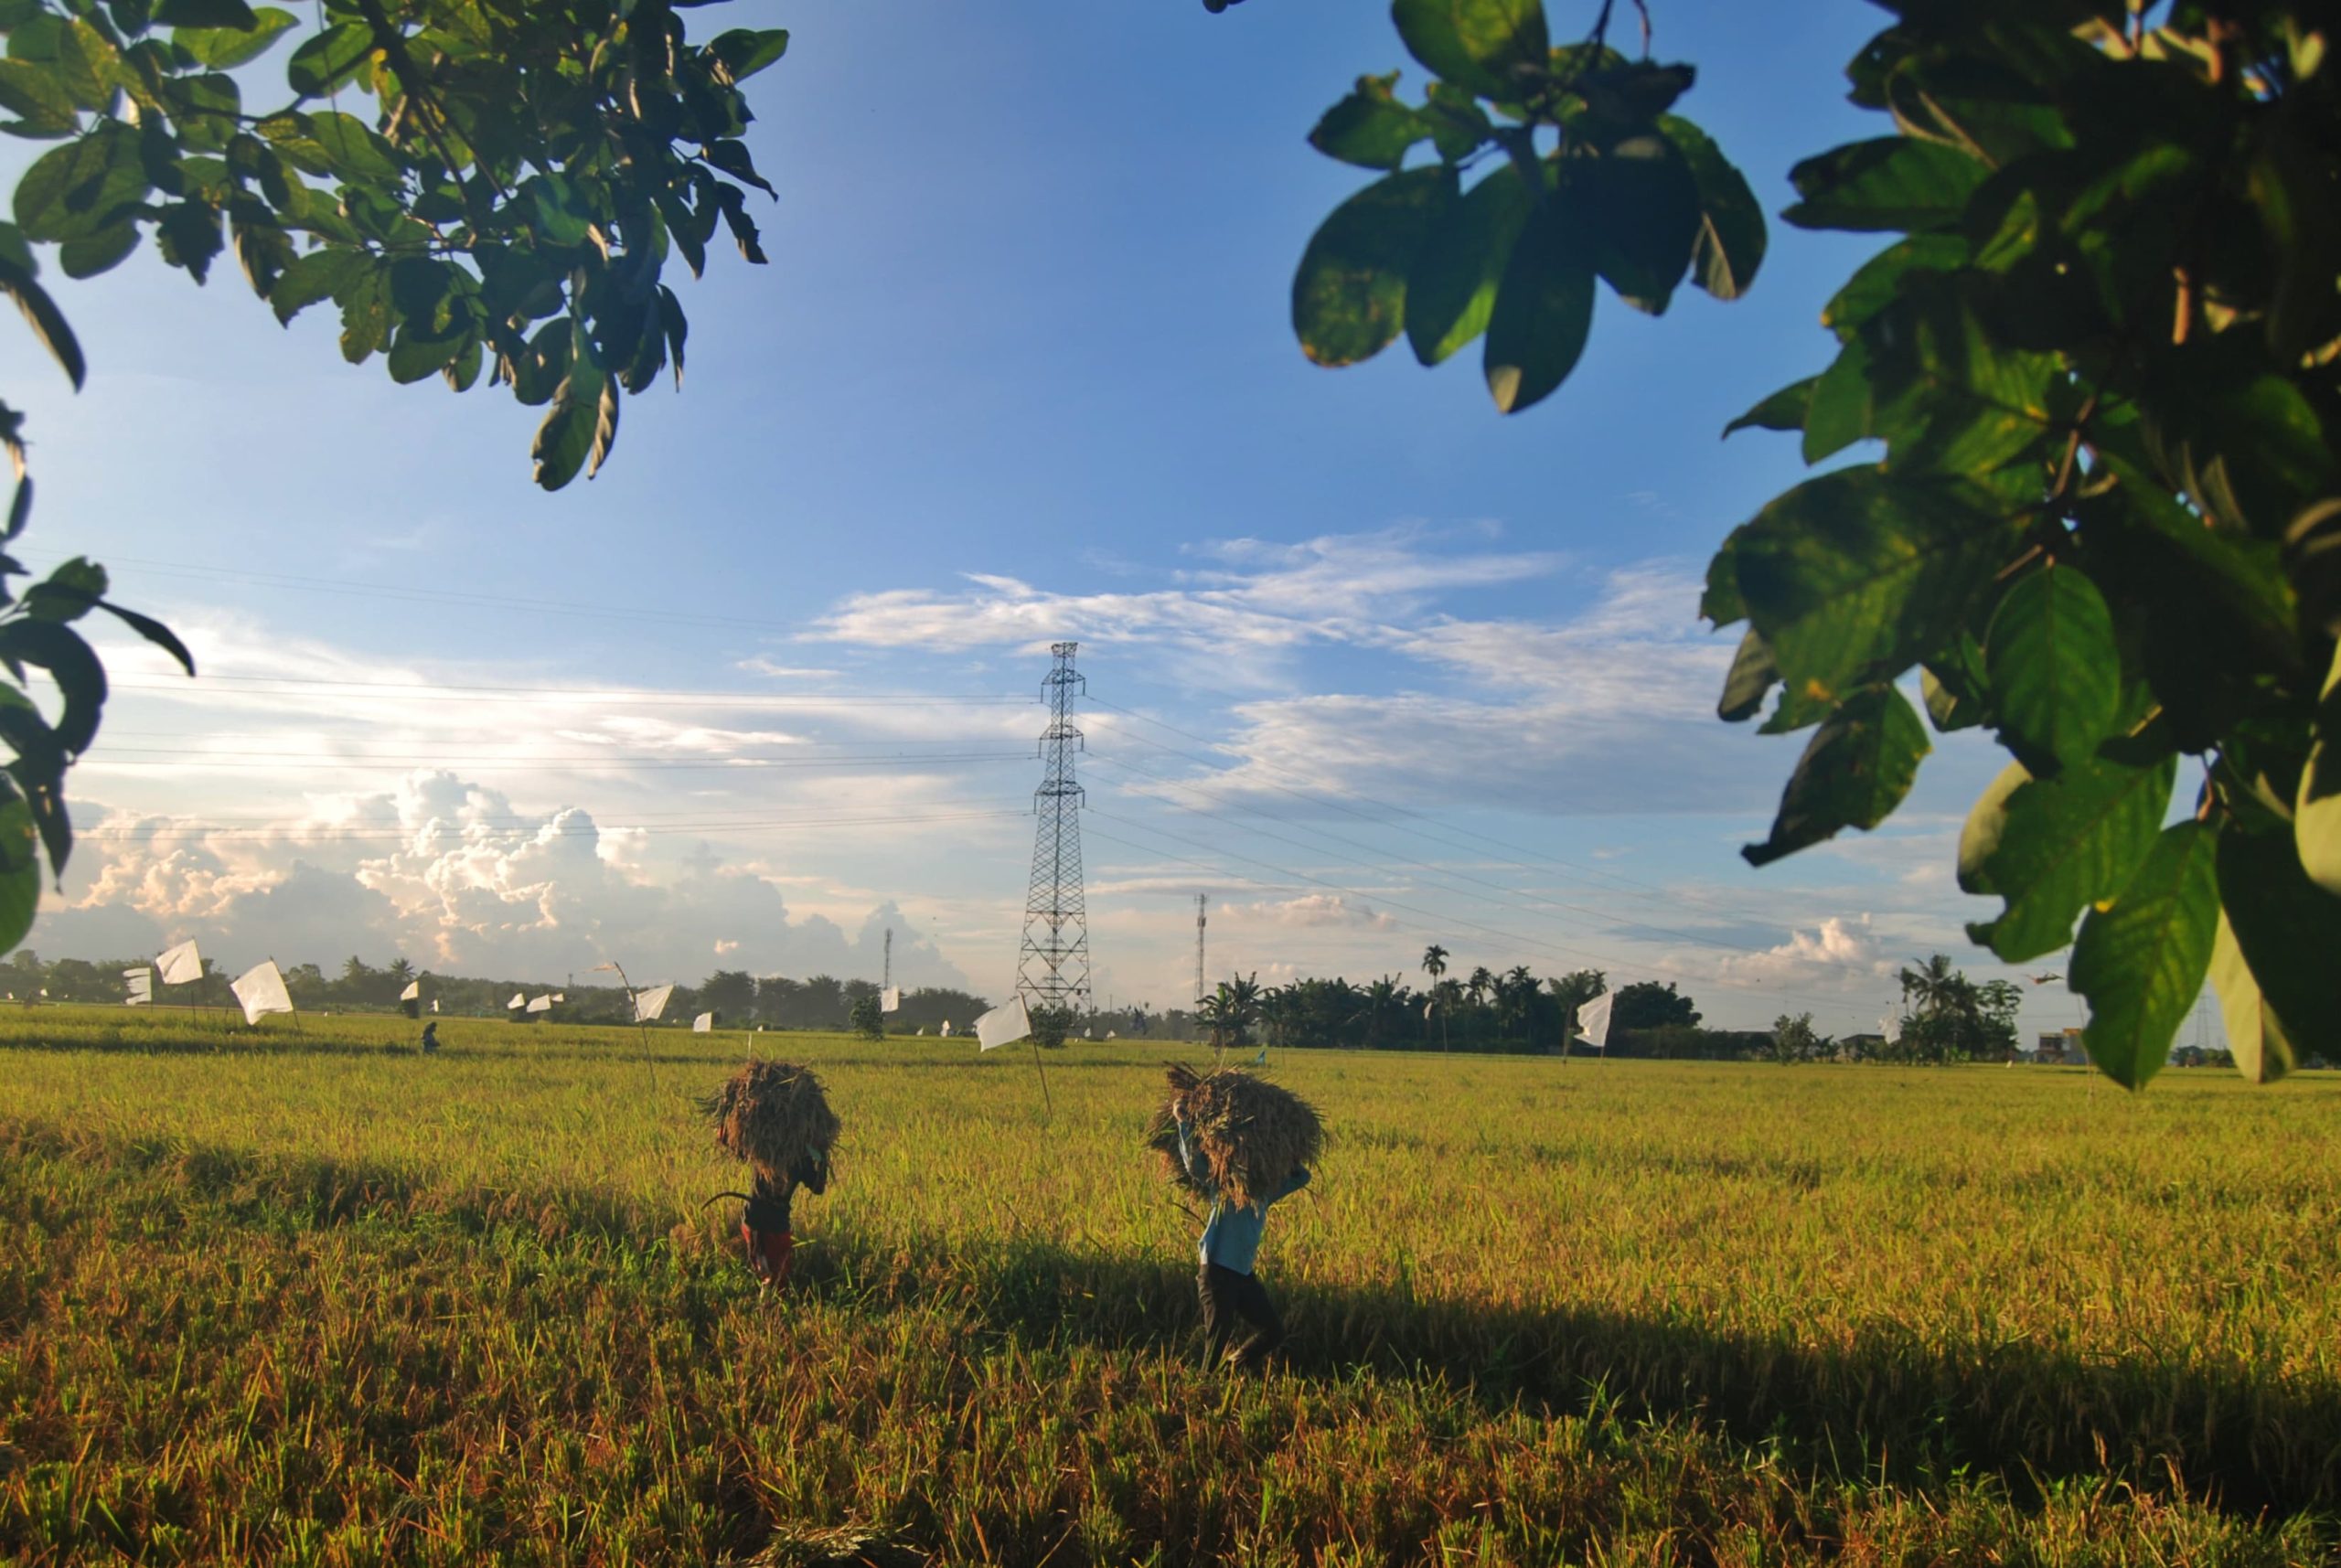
{"x": 1053, "y": 969}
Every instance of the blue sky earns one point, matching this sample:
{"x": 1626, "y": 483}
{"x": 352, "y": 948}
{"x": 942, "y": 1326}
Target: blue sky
{"x": 1020, "y": 370}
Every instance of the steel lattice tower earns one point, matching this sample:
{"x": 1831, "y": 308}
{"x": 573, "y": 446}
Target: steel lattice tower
{"x": 1053, "y": 969}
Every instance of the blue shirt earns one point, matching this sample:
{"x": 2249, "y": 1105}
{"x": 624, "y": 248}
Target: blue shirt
{"x": 1232, "y": 1237}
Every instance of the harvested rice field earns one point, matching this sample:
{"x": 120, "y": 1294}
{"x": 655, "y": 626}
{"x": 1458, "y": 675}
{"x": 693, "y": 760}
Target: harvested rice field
{"x": 312, "y": 1298}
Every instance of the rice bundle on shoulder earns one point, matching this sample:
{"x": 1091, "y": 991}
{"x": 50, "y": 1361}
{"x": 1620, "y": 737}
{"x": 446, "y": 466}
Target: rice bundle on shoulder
{"x": 1252, "y": 1134}
{"x": 773, "y": 1114}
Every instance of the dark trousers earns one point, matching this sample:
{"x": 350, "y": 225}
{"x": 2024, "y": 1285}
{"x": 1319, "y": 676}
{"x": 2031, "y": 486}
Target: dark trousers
{"x": 1227, "y": 1296}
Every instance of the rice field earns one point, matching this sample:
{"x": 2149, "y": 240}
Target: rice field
{"x": 308, "y": 1297}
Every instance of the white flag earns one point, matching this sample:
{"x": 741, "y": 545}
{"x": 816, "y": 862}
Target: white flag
{"x": 1004, "y": 1025}
{"x": 649, "y": 1004}
{"x": 413, "y": 992}
{"x": 703, "y": 1024}
{"x": 435, "y": 1004}
{"x": 181, "y": 965}
{"x": 518, "y": 1002}
{"x": 1593, "y": 1021}
{"x": 890, "y": 1000}
{"x": 1427, "y": 1008}
{"x": 947, "y": 1029}
{"x": 142, "y": 985}
{"x": 262, "y": 990}
{"x": 1890, "y": 1026}
{"x": 540, "y": 1004}
{"x": 561, "y": 995}
{"x": 1111, "y": 1035}
{"x": 1090, "y": 1033}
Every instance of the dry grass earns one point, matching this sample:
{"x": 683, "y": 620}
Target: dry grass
{"x": 1251, "y": 1133}
{"x": 774, "y": 1116}
{"x": 300, "y": 1299}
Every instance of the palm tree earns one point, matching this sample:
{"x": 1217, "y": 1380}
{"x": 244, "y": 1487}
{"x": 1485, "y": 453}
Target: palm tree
{"x": 1449, "y": 994}
{"x": 1434, "y": 966}
{"x": 1514, "y": 993}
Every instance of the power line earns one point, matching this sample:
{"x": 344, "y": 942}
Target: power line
{"x": 1449, "y": 922}
{"x": 1526, "y": 900}
{"x": 149, "y": 833}
{"x": 1648, "y": 890}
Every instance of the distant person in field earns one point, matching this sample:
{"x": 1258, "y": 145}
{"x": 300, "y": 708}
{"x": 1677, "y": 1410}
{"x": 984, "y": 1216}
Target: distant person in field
{"x": 1228, "y": 1289}
{"x": 431, "y": 1037}
{"x": 765, "y": 1226}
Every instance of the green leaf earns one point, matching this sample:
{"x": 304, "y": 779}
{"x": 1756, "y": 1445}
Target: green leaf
{"x": 313, "y": 276}
{"x": 1878, "y": 282}
{"x": 225, "y": 48}
{"x": 1543, "y": 309}
{"x": 745, "y": 51}
{"x": 1855, "y": 576}
{"x": 45, "y": 320}
{"x": 1952, "y": 683}
{"x": 83, "y": 187}
{"x": 19, "y": 869}
{"x": 1730, "y": 241}
{"x": 2288, "y": 929}
{"x": 2263, "y": 1051}
{"x": 1349, "y": 297}
{"x": 1643, "y": 210}
{"x": 2054, "y": 673}
{"x": 80, "y": 678}
{"x": 100, "y": 252}
{"x": 326, "y": 60}
{"x": 1858, "y": 767}
{"x": 33, "y": 93}
{"x": 2050, "y": 847}
{"x": 1492, "y": 47}
{"x": 232, "y": 14}
{"x": 2141, "y": 960}
{"x": 1784, "y": 409}
{"x": 2316, "y": 817}
{"x": 1753, "y": 675}
{"x": 1370, "y": 128}
{"x": 155, "y": 631}
{"x": 1451, "y": 288}
{"x": 1894, "y": 182}
{"x": 351, "y": 149}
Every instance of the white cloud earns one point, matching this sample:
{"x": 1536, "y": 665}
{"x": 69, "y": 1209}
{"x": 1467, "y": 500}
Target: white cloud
{"x": 1307, "y": 909}
{"x": 450, "y": 873}
{"x": 1838, "y": 954}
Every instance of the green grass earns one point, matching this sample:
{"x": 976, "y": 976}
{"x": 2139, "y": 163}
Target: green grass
{"x": 308, "y": 1297}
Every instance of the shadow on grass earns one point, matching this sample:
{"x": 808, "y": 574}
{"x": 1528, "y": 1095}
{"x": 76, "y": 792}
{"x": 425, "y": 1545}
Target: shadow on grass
{"x": 1883, "y": 1405}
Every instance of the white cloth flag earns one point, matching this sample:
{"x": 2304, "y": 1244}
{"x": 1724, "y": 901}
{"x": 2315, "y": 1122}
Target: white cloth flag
{"x": 947, "y": 1029}
{"x": 703, "y": 1024}
{"x": 1004, "y": 1025}
{"x": 1428, "y": 1006}
{"x": 435, "y": 1004}
{"x": 181, "y": 965}
{"x": 649, "y": 1004}
{"x": 1593, "y": 1021}
{"x": 262, "y": 990}
{"x": 561, "y": 995}
{"x": 890, "y": 1000}
{"x": 413, "y": 992}
{"x": 1890, "y": 1026}
{"x": 141, "y": 985}
{"x": 540, "y": 1004}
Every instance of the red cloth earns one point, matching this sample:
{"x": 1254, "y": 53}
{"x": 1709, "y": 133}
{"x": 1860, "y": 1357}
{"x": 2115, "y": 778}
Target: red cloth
{"x": 769, "y": 1253}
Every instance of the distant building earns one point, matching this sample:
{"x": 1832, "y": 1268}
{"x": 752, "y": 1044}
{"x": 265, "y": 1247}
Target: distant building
{"x": 2059, "y": 1047}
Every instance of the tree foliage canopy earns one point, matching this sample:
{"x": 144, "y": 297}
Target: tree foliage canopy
{"x": 2094, "y": 380}
{"x": 502, "y": 203}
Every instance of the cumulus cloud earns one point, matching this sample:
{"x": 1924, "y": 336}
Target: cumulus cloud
{"x": 1838, "y": 953}
{"x": 450, "y": 873}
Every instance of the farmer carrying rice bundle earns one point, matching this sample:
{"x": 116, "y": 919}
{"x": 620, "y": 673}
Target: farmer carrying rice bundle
{"x": 774, "y": 1116}
{"x": 1244, "y": 1142}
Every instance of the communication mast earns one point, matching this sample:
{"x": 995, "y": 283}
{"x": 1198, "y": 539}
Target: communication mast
{"x": 1053, "y": 968}
{"x": 1200, "y": 901}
